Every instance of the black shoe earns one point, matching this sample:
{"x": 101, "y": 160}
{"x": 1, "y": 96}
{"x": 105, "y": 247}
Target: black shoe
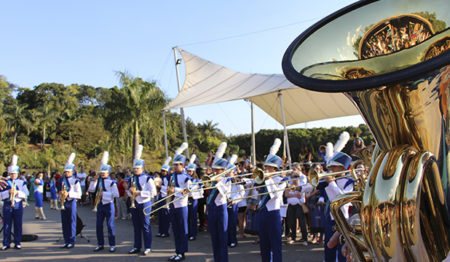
{"x": 18, "y": 247}
{"x": 98, "y": 248}
{"x": 173, "y": 257}
{"x": 191, "y": 238}
{"x": 164, "y": 235}
{"x": 64, "y": 246}
{"x": 112, "y": 249}
{"x": 147, "y": 251}
{"x": 5, "y": 248}
{"x": 134, "y": 250}
{"x": 159, "y": 235}
{"x": 233, "y": 245}
{"x": 70, "y": 246}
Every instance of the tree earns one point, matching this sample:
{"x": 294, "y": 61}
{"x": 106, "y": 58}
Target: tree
{"x": 17, "y": 118}
{"x": 137, "y": 104}
{"x": 47, "y": 118}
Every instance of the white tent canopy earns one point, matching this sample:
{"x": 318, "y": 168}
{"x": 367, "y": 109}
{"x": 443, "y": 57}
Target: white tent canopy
{"x": 206, "y": 83}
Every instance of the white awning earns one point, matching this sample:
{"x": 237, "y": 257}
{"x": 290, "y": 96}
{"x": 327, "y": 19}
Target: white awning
{"x": 206, "y": 83}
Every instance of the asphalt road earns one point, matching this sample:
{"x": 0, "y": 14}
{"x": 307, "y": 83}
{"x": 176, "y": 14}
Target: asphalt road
{"x": 46, "y": 247}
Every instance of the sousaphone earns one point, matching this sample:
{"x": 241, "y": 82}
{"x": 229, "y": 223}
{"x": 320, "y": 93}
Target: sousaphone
{"x": 391, "y": 59}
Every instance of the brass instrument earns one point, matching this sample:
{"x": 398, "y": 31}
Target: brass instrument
{"x": 12, "y": 197}
{"x": 207, "y": 180}
{"x": 314, "y": 177}
{"x": 62, "y": 195}
{"x": 259, "y": 176}
{"x": 395, "y": 69}
{"x": 133, "y": 196}
{"x": 98, "y": 197}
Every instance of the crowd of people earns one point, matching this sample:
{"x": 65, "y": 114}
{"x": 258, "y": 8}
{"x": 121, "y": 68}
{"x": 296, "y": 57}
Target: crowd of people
{"x": 233, "y": 199}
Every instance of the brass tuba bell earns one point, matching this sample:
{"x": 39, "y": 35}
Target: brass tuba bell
{"x": 391, "y": 59}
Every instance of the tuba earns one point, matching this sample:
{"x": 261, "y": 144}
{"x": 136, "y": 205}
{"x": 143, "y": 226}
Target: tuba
{"x": 391, "y": 59}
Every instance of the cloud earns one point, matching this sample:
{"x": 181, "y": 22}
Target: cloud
{"x": 348, "y": 39}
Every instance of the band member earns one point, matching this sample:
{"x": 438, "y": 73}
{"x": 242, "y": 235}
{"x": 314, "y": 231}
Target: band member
{"x": 141, "y": 190}
{"x": 53, "y": 193}
{"x": 233, "y": 205}
{"x": 333, "y": 187}
{"x": 106, "y": 189}
{"x": 70, "y": 190}
{"x": 216, "y": 206}
{"x": 193, "y": 199}
{"x": 163, "y": 213}
{"x": 178, "y": 212}
{"x": 270, "y": 227}
{"x": 13, "y": 193}
{"x": 38, "y": 196}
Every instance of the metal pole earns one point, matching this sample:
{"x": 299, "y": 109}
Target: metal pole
{"x": 183, "y": 122}
{"x": 253, "y": 137}
{"x": 165, "y": 133}
{"x": 286, "y": 139}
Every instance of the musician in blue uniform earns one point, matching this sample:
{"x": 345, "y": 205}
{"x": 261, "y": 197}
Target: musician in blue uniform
{"x": 163, "y": 213}
{"x": 232, "y": 210}
{"x": 216, "y": 206}
{"x": 178, "y": 212}
{"x": 142, "y": 188}
{"x": 105, "y": 208}
{"x": 332, "y": 187}
{"x": 194, "y": 196}
{"x": 13, "y": 193}
{"x": 269, "y": 217}
{"x": 70, "y": 189}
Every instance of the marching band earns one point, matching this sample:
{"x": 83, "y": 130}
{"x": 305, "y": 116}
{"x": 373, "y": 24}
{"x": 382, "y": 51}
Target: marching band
{"x": 174, "y": 196}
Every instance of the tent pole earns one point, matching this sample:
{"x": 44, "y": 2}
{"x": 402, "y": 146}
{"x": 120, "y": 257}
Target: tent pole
{"x": 253, "y": 137}
{"x": 165, "y": 133}
{"x": 183, "y": 122}
{"x": 286, "y": 138}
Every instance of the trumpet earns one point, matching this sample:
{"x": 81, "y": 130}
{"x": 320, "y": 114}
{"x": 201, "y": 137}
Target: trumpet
{"x": 63, "y": 195}
{"x": 13, "y": 195}
{"x": 98, "y": 198}
{"x": 314, "y": 177}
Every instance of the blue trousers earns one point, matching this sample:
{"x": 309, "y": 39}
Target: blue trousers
{"x": 106, "y": 211}
{"x": 330, "y": 254}
{"x": 69, "y": 221}
{"x": 192, "y": 217}
{"x": 141, "y": 224}
{"x": 218, "y": 225}
{"x": 179, "y": 220}
{"x": 163, "y": 219}
{"x": 11, "y": 214}
{"x": 38, "y": 198}
{"x": 232, "y": 224}
{"x": 270, "y": 231}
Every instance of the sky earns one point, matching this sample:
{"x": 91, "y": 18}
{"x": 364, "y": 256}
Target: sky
{"x": 86, "y": 42}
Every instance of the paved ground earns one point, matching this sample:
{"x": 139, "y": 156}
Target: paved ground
{"x": 45, "y": 248}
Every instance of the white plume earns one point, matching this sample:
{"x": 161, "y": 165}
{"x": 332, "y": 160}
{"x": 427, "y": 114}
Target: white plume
{"x": 192, "y": 159}
{"x": 276, "y": 145}
{"x": 71, "y": 158}
{"x": 138, "y": 152}
{"x": 14, "y": 160}
{"x": 168, "y": 159}
{"x": 343, "y": 139}
{"x": 329, "y": 152}
{"x": 233, "y": 159}
{"x": 221, "y": 150}
{"x": 181, "y": 148}
{"x": 105, "y": 158}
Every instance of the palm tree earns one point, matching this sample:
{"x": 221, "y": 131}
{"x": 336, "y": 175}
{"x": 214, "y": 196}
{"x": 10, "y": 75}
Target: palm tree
{"x": 209, "y": 128}
{"x": 137, "y": 104}
{"x": 47, "y": 118}
{"x": 17, "y": 118}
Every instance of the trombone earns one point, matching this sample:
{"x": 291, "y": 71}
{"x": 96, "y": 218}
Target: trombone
{"x": 314, "y": 177}
{"x": 259, "y": 176}
{"x": 208, "y": 179}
